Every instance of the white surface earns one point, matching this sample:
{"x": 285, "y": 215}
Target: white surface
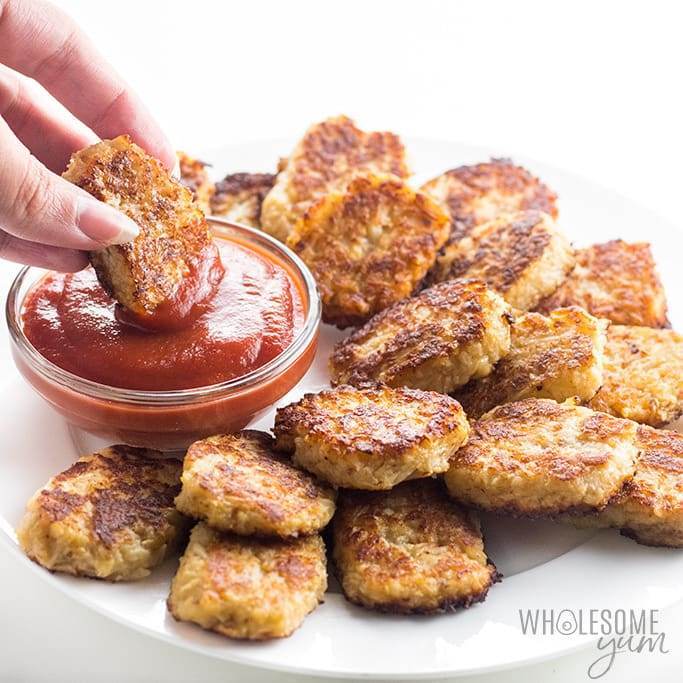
{"x": 585, "y": 86}
{"x": 535, "y": 558}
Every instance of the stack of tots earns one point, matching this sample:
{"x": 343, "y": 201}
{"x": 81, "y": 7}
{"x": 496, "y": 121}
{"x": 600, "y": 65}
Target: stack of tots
{"x": 255, "y": 562}
{"x": 492, "y": 367}
{"x": 255, "y": 565}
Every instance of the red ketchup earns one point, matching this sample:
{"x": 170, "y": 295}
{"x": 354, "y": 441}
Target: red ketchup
{"x": 253, "y": 315}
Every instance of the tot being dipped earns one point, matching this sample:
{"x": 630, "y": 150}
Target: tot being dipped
{"x": 371, "y": 437}
{"x": 409, "y": 550}
{"x": 539, "y": 458}
{"x": 173, "y": 262}
{"x": 178, "y": 308}
{"x": 236, "y": 482}
{"x": 437, "y": 340}
{"x": 108, "y": 516}
{"x": 248, "y": 588}
{"x": 368, "y": 246}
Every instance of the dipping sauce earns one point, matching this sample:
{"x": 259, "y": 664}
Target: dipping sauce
{"x": 252, "y": 317}
{"x": 196, "y": 288}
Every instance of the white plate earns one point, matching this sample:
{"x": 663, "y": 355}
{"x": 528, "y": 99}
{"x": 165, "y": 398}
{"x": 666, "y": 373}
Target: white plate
{"x": 545, "y": 565}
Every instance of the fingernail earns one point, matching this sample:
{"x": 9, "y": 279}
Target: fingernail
{"x": 104, "y": 224}
{"x": 175, "y": 173}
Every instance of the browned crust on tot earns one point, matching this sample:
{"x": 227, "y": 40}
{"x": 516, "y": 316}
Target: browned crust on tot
{"x": 521, "y": 255}
{"x": 195, "y": 177}
{"x": 476, "y": 194}
{"x": 331, "y": 152}
{"x": 649, "y": 507}
{"x": 410, "y": 551}
{"x": 539, "y": 458}
{"x": 508, "y": 422}
{"x": 238, "y": 483}
{"x": 436, "y": 323}
{"x": 658, "y": 482}
{"x": 556, "y": 356}
{"x": 372, "y": 438}
{"x": 109, "y": 516}
{"x": 369, "y": 246}
{"x": 173, "y": 231}
{"x": 374, "y": 427}
{"x": 239, "y": 196}
{"x": 616, "y": 280}
{"x": 123, "y": 501}
{"x": 643, "y": 377}
{"x": 501, "y": 269}
{"x": 248, "y": 588}
{"x": 328, "y": 156}
{"x": 236, "y": 183}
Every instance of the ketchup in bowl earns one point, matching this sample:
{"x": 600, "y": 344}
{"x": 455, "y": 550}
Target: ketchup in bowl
{"x": 241, "y": 350}
{"x": 253, "y": 316}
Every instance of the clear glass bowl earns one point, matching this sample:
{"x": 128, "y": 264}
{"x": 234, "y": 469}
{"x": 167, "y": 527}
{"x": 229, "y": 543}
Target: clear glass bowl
{"x": 171, "y": 420}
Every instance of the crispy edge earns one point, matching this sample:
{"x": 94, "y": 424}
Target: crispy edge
{"x": 511, "y": 381}
{"x": 549, "y": 409}
{"x": 313, "y": 166}
{"x": 246, "y": 190}
{"x": 285, "y": 475}
{"x": 610, "y": 399}
{"x": 54, "y": 504}
{"x": 522, "y": 255}
{"x": 312, "y": 415}
{"x": 326, "y": 158}
{"x": 660, "y": 449}
{"x": 204, "y": 537}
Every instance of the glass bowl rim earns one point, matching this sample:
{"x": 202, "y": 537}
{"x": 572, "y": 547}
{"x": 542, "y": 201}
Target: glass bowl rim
{"x": 46, "y": 368}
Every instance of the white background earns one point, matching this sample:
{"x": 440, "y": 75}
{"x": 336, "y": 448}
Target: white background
{"x": 590, "y": 87}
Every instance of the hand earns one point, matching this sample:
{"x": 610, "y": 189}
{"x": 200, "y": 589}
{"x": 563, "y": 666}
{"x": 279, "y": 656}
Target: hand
{"x": 44, "y": 220}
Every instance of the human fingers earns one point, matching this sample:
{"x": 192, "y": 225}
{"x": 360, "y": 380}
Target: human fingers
{"x": 34, "y": 254}
{"x": 50, "y": 138}
{"x": 39, "y": 206}
{"x": 42, "y": 42}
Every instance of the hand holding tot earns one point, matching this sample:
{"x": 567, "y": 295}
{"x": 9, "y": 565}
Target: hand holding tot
{"x": 44, "y": 220}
